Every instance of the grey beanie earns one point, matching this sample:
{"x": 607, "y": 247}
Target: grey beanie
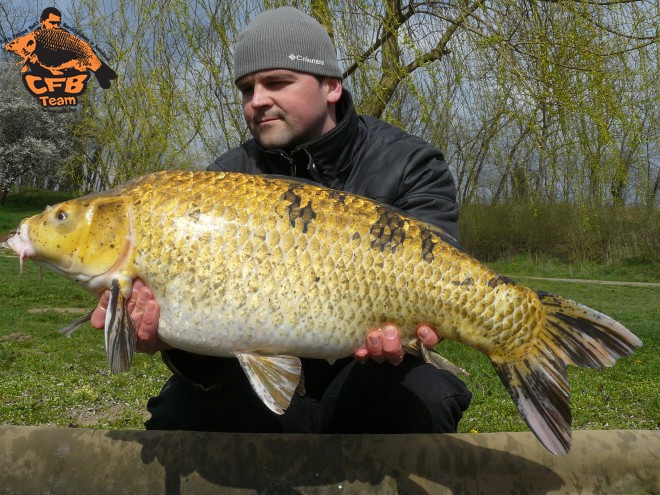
{"x": 285, "y": 38}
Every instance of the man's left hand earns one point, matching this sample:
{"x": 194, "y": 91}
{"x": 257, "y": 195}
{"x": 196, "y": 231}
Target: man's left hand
{"x": 384, "y": 344}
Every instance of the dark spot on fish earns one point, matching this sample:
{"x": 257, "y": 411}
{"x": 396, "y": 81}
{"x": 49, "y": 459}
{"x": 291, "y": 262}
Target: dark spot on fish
{"x": 112, "y": 246}
{"x": 305, "y": 214}
{"x": 339, "y": 196}
{"x": 464, "y": 283}
{"x": 195, "y": 214}
{"x": 388, "y": 231}
{"x": 317, "y": 279}
{"x": 357, "y": 236}
{"x": 429, "y": 241}
{"x": 499, "y": 280}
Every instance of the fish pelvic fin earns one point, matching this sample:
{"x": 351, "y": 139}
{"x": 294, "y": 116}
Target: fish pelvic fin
{"x": 120, "y": 336}
{"x": 75, "y": 324}
{"x": 538, "y": 384}
{"x": 431, "y": 356}
{"x": 273, "y": 378}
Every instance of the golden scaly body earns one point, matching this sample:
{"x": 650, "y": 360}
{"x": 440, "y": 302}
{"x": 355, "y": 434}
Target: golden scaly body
{"x": 233, "y": 274}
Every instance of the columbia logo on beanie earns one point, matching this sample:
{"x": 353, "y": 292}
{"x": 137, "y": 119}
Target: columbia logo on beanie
{"x": 285, "y": 38}
{"x": 305, "y": 59}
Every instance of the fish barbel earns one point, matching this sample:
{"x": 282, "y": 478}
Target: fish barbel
{"x": 270, "y": 269}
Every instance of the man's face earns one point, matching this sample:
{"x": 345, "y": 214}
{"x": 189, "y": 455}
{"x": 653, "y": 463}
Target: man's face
{"x": 284, "y": 108}
{"x": 51, "y": 22}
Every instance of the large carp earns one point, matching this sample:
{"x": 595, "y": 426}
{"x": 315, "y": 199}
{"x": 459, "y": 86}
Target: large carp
{"x": 268, "y": 270}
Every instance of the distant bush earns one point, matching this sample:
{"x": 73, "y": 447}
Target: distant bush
{"x": 567, "y": 232}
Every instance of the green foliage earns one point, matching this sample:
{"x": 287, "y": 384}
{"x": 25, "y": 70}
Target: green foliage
{"x": 563, "y": 231}
{"x": 529, "y": 100}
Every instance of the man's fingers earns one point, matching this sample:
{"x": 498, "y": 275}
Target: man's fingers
{"x": 427, "y": 336}
{"x": 392, "y": 350}
{"x": 98, "y": 316}
{"x": 147, "y": 333}
{"x": 144, "y": 295}
{"x": 135, "y": 294}
{"x": 375, "y": 346}
{"x": 145, "y": 313}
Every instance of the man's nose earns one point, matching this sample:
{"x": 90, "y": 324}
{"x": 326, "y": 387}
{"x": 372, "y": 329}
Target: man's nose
{"x": 260, "y": 97}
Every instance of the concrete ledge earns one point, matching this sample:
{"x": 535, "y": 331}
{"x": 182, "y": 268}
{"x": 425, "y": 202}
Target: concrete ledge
{"x": 37, "y": 460}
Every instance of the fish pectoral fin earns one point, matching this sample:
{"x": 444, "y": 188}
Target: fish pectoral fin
{"x": 433, "y": 357}
{"x": 273, "y": 378}
{"x": 120, "y": 338}
{"x": 75, "y": 324}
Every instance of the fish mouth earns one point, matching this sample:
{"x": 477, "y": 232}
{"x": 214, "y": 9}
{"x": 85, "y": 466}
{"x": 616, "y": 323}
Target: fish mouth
{"x": 21, "y": 245}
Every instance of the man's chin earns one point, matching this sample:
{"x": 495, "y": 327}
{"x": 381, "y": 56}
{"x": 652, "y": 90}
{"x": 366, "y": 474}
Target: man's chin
{"x": 271, "y": 141}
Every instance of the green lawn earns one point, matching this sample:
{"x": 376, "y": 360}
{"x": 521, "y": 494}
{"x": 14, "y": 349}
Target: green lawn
{"x": 46, "y": 378}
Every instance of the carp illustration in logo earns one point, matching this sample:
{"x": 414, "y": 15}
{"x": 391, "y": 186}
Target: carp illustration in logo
{"x": 50, "y": 51}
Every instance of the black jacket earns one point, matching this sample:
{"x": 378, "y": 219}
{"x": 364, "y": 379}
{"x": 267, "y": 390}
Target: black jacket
{"x": 365, "y": 156}
{"x": 361, "y": 155}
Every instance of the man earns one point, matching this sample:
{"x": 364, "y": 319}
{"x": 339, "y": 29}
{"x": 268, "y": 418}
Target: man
{"x": 51, "y": 18}
{"x": 305, "y": 125}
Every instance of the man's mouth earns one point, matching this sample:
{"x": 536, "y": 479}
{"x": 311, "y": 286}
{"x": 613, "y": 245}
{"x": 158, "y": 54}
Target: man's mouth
{"x": 266, "y": 120}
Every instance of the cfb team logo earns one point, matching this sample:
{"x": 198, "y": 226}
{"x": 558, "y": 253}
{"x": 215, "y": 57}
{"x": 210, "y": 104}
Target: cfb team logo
{"x": 58, "y": 62}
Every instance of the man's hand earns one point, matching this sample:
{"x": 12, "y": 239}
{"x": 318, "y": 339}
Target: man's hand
{"x": 384, "y": 344}
{"x": 145, "y": 313}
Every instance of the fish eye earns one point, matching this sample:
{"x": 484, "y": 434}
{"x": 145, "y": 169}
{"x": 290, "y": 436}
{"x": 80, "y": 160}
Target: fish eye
{"x": 61, "y": 215}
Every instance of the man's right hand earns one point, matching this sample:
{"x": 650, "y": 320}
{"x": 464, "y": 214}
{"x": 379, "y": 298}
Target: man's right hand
{"x": 145, "y": 313}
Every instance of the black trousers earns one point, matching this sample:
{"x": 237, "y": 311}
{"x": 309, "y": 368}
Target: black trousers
{"x": 413, "y": 397}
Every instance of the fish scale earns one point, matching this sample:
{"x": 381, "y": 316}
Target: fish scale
{"x": 311, "y": 264}
{"x": 268, "y": 270}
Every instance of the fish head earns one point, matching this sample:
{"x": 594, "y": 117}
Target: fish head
{"x": 23, "y": 46}
{"x": 87, "y": 239}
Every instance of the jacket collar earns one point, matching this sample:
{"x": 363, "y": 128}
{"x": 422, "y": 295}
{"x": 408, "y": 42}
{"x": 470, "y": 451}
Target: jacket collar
{"x": 328, "y": 157}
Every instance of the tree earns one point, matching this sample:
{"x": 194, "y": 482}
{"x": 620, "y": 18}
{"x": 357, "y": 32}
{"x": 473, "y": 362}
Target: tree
{"x": 528, "y": 99}
{"x": 33, "y": 143}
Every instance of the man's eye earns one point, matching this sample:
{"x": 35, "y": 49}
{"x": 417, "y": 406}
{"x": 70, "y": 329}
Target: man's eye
{"x": 277, "y": 84}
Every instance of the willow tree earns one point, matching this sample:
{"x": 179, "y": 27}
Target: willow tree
{"x": 524, "y": 97}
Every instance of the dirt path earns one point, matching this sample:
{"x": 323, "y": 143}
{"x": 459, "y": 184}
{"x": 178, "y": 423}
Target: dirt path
{"x": 590, "y": 281}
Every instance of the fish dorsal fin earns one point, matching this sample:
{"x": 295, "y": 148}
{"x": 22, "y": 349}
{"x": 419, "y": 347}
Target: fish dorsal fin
{"x": 120, "y": 338}
{"x": 433, "y": 357}
{"x": 273, "y": 378}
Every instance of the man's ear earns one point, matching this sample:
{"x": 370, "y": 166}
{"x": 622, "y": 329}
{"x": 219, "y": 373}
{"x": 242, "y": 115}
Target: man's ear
{"x": 335, "y": 88}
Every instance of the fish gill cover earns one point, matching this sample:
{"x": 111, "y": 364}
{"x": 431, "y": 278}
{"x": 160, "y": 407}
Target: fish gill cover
{"x": 56, "y": 63}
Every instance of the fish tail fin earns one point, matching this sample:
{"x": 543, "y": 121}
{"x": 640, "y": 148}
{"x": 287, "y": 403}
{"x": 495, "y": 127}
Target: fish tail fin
{"x": 573, "y": 334}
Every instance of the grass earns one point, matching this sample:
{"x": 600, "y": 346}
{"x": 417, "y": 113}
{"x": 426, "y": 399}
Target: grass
{"x": 629, "y": 270}
{"x": 47, "y": 379}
